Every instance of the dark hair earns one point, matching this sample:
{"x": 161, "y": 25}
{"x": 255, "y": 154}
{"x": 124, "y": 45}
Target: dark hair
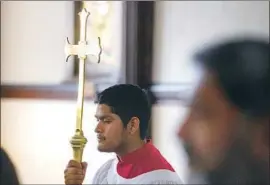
{"x": 8, "y": 171}
{"x": 242, "y": 68}
{"x": 127, "y": 101}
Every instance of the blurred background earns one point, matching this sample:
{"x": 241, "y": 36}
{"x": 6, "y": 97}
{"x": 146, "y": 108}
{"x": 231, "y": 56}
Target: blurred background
{"x": 145, "y": 43}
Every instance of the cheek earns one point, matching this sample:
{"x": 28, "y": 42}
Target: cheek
{"x": 113, "y": 132}
{"x": 202, "y": 138}
{"x": 210, "y": 140}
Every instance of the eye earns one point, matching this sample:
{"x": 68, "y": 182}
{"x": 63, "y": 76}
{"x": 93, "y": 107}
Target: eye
{"x": 107, "y": 121}
{"x": 198, "y": 112}
{"x": 104, "y": 120}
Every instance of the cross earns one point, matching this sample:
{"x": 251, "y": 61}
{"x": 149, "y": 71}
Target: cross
{"x": 82, "y": 50}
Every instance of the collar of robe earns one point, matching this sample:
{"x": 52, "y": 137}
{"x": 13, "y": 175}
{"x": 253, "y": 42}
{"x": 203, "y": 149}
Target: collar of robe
{"x": 138, "y": 154}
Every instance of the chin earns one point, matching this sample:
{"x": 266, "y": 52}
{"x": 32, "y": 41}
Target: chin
{"x": 102, "y": 148}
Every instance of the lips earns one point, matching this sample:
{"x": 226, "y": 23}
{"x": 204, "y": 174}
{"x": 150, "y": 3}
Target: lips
{"x": 100, "y": 138}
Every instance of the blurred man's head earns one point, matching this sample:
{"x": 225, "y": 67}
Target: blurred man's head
{"x": 8, "y": 175}
{"x": 123, "y": 114}
{"x": 227, "y": 131}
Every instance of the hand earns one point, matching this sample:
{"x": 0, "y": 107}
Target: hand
{"x": 75, "y": 172}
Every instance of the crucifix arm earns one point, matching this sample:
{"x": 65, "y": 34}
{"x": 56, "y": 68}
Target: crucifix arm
{"x": 83, "y": 49}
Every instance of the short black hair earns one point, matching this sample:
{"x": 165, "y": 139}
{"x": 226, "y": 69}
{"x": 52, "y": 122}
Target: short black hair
{"x": 127, "y": 101}
{"x": 242, "y": 68}
{"x": 8, "y": 172}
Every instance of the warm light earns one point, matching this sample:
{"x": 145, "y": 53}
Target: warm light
{"x": 102, "y": 7}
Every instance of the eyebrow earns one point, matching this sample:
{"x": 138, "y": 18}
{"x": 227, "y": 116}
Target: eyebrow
{"x": 199, "y": 103}
{"x": 103, "y": 117}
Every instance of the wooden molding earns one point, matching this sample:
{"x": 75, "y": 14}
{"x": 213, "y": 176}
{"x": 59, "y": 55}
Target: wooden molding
{"x": 159, "y": 93}
{"x": 180, "y": 93}
{"x": 51, "y": 92}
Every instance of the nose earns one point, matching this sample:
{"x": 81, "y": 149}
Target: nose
{"x": 98, "y": 128}
{"x": 183, "y": 130}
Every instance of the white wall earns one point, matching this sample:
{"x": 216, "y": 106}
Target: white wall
{"x": 33, "y": 35}
{"x": 182, "y": 27}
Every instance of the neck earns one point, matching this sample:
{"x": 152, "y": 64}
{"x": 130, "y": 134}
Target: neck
{"x": 240, "y": 167}
{"x": 130, "y": 147}
{"x": 244, "y": 174}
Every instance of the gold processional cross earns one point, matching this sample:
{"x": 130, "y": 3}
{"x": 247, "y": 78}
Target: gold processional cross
{"x": 82, "y": 50}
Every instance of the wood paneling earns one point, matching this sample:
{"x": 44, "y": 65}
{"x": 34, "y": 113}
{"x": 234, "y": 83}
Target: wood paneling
{"x": 139, "y": 42}
{"x": 159, "y": 93}
{"x": 57, "y": 92}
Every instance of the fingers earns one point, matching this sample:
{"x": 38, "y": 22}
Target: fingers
{"x": 84, "y": 167}
{"x": 76, "y": 180}
{"x": 75, "y": 172}
{"x": 73, "y": 163}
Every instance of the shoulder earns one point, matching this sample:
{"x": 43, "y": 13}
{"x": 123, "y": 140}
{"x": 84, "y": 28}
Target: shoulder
{"x": 156, "y": 161}
{"x": 159, "y": 177}
{"x": 164, "y": 177}
{"x": 102, "y": 173}
{"x": 161, "y": 171}
{"x": 150, "y": 161}
{"x": 106, "y": 165}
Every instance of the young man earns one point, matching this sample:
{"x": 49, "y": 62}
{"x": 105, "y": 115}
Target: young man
{"x": 123, "y": 113}
{"x": 227, "y": 131}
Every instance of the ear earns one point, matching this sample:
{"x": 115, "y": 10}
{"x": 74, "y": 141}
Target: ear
{"x": 133, "y": 125}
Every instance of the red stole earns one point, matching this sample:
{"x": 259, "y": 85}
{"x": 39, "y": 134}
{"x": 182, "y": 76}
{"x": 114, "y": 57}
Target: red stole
{"x": 143, "y": 160}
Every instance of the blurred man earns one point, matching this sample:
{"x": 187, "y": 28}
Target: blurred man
{"x": 8, "y": 175}
{"x": 123, "y": 113}
{"x": 226, "y": 134}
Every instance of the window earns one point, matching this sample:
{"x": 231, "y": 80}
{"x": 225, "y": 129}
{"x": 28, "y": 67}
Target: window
{"x": 106, "y": 22}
